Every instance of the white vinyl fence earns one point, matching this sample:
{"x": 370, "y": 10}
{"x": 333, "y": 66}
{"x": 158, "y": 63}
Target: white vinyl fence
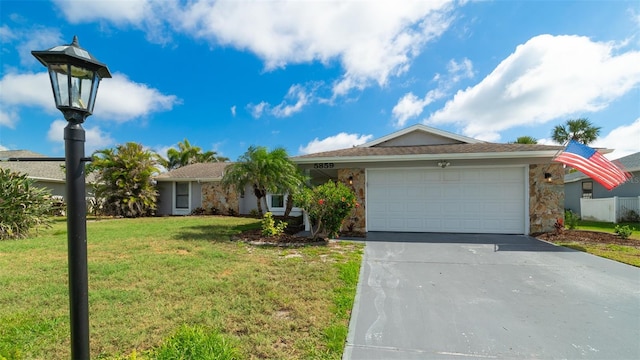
{"x": 613, "y": 209}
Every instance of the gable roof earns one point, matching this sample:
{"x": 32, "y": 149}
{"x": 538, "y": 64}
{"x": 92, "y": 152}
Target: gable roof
{"x": 52, "y": 171}
{"x": 420, "y": 142}
{"x": 630, "y": 163}
{"x": 419, "y": 128}
{"x": 196, "y": 172}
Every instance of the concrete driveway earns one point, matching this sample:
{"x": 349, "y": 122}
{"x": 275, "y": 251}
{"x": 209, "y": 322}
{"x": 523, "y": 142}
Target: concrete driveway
{"x": 456, "y": 296}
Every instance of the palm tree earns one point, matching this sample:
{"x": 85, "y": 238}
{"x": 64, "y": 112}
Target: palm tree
{"x": 265, "y": 171}
{"x": 124, "y": 180}
{"x": 580, "y": 130}
{"x": 526, "y": 140}
{"x": 187, "y": 154}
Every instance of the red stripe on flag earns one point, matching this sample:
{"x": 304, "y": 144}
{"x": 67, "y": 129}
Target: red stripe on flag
{"x": 597, "y": 167}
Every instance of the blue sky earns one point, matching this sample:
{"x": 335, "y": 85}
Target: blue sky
{"x": 320, "y": 75}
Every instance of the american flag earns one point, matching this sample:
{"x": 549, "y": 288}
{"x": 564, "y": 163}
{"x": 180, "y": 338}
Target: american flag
{"x": 593, "y": 164}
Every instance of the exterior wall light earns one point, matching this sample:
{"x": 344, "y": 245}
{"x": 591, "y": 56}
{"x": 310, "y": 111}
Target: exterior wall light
{"x": 548, "y": 177}
{"x": 443, "y": 163}
{"x": 75, "y": 76}
{"x": 350, "y": 180}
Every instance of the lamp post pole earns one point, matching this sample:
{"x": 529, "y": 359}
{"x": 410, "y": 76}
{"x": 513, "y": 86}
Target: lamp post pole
{"x": 74, "y": 138}
{"x": 75, "y": 76}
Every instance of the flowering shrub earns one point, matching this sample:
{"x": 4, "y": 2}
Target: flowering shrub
{"x": 327, "y": 206}
{"x": 559, "y": 225}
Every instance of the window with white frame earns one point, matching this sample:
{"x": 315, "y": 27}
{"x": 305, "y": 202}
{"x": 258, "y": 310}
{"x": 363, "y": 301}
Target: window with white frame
{"x": 182, "y": 195}
{"x": 277, "y": 201}
{"x": 587, "y": 189}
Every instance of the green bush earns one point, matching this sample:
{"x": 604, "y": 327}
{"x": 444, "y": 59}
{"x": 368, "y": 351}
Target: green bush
{"x": 327, "y": 205}
{"x": 623, "y": 231}
{"x": 269, "y": 226}
{"x": 23, "y": 206}
{"x": 571, "y": 219}
{"x": 193, "y": 343}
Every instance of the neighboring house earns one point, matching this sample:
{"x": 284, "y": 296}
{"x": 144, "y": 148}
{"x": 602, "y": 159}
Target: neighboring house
{"x": 47, "y": 174}
{"x": 579, "y": 186}
{"x": 422, "y": 179}
{"x": 194, "y": 186}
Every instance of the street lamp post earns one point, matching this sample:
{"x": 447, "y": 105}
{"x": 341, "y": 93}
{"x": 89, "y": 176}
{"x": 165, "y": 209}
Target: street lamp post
{"x": 75, "y": 76}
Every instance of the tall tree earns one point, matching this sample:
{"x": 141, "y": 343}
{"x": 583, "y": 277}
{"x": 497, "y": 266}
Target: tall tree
{"x": 265, "y": 171}
{"x": 187, "y": 154}
{"x": 124, "y": 180}
{"x": 526, "y": 140}
{"x": 580, "y": 130}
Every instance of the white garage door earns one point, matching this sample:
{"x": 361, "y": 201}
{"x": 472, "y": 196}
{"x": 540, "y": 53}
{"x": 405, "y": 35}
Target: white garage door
{"x": 478, "y": 200}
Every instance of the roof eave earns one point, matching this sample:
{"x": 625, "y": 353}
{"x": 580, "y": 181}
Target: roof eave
{"x": 583, "y": 176}
{"x": 167, "y": 179}
{"x": 453, "y": 156}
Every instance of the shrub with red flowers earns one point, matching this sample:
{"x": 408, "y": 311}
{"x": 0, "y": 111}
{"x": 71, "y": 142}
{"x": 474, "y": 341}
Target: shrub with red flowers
{"x": 327, "y": 206}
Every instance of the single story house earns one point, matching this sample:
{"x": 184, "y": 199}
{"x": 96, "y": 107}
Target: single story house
{"x": 422, "y": 179}
{"x": 580, "y": 186}
{"x": 46, "y": 174}
{"x": 198, "y": 186}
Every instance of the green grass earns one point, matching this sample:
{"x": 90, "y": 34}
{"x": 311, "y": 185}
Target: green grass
{"x": 158, "y": 283}
{"x": 621, "y": 253}
{"x": 608, "y": 227}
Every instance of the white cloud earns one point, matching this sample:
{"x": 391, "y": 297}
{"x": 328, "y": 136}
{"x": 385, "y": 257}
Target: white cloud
{"x": 257, "y": 110}
{"x": 296, "y": 93}
{"x": 3, "y": 148}
{"x": 339, "y": 141}
{"x": 546, "y": 78}
{"x": 96, "y": 139}
{"x": 624, "y": 140}
{"x": 120, "y": 12}
{"x": 38, "y": 38}
{"x": 26, "y": 89}
{"x": 6, "y": 34}
{"x": 460, "y": 70}
{"x": 294, "y": 101}
{"x": 410, "y": 106}
{"x": 233, "y": 111}
{"x": 8, "y": 118}
{"x": 119, "y": 99}
{"x": 371, "y": 40}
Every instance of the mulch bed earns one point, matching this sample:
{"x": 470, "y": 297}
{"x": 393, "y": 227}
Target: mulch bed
{"x": 254, "y": 237}
{"x": 587, "y": 237}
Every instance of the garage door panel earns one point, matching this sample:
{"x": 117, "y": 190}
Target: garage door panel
{"x": 446, "y": 200}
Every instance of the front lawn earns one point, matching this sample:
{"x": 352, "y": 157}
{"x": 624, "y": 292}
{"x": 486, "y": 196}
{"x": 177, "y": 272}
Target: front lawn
{"x": 607, "y": 244}
{"x": 608, "y": 227}
{"x": 153, "y": 280}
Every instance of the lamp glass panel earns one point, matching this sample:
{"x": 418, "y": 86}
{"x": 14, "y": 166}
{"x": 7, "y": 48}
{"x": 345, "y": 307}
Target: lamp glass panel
{"x": 55, "y": 85}
{"x": 94, "y": 90}
{"x": 63, "y": 88}
{"x": 85, "y": 93}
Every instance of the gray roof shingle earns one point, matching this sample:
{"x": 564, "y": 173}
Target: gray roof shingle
{"x": 430, "y": 149}
{"x": 203, "y": 171}
{"x": 37, "y": 170}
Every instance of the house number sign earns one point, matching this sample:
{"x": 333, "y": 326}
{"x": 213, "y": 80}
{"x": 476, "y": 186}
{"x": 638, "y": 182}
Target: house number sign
{"x": 323, "y": 166}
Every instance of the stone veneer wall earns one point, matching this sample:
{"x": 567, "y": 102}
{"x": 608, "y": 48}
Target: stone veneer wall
{"x": 214, "y": 195}
{"x": 546, "y": 199}
{"x": 357, "y": 219}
